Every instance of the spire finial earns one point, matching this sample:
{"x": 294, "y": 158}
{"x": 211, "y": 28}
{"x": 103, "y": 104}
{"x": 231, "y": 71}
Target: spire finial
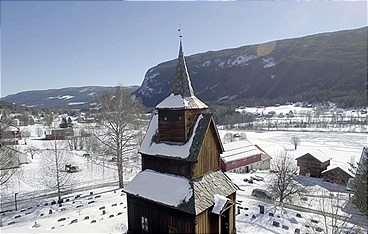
{"x": 181, "y": 83}
{"x": 179, "y": 30}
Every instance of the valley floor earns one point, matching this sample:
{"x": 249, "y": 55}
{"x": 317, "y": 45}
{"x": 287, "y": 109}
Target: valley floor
{"x": 344, "y": 148}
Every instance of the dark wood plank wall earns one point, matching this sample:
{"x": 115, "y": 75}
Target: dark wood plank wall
{"x": 190, "y": 117}
{"x": 209, "y": 154}
{"x": 166, "y": 165}
{"x": 171, "y": 125}
{"x": 159, "y": 217}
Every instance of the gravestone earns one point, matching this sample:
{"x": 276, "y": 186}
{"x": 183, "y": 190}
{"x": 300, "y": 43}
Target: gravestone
{"x": 276, "y": 224}
{"x": 261, "y": 209}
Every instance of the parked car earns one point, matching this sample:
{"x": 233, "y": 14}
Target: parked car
{"x": 250, "y": 181}
{"x": 262, "y": 194}
{"x": 258, "y": 178}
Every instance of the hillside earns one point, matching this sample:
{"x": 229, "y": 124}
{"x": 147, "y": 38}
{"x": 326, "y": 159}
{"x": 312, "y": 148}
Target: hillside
{"x": 328, "y": 66}
{"x": 72, "y": 97}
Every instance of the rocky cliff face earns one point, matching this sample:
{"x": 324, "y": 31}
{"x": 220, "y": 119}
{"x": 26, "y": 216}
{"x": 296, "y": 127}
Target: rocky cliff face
{"x": 327, "y": 66}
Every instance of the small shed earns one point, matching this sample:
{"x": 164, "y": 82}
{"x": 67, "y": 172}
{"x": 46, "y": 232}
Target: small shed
{"x": 338, "y": 174}
{"x": 313, "y": 165}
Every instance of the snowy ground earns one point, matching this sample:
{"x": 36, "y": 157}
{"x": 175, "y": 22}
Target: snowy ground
{"x": 86, "y": 211}
{"x": 93, "y": 171}
{"x": 324, "y": 119}
{"x": 342, "y": 147}
{"x": 72, "y": 216}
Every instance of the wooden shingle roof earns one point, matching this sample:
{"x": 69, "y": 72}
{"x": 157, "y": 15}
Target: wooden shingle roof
{"x": 187, "y": 151}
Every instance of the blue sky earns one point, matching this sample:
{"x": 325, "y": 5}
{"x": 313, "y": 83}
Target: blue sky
{"x": 61, "y": 44}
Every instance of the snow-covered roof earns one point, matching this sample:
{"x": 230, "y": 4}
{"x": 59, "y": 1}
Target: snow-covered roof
{"x": 318, "y": 154}
{"x": 180, "y": 193}
{"x": 188, "y": 151}
{"x": 179, "y": 102}
{"x": 364, "y": 155}
{"x": 239, "y": 150}
{"x": 11, "y": 129}
{"x": 168, "y": 189}
{"x": 220, "y": 203}
{"x": 344, "y": 167}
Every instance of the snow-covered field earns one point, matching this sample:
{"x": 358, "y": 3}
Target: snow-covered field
{"x": 302, "y": 118}
{"x": 343, "y": 148}
{"x": 105, "y": 212}
{"x": 78, "y": 215}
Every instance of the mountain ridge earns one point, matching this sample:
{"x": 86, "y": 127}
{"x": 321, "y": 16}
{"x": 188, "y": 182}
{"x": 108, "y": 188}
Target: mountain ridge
{"x": 69, "y": 97}
{"x": 327, "y": 66}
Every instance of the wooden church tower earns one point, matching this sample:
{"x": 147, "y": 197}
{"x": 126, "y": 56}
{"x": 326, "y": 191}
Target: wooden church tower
{"x": 181, "y": 188}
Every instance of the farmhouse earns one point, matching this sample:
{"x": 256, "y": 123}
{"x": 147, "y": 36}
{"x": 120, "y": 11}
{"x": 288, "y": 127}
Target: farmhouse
{"x": 337, "y": 174}
{"x": 313, "y": 165}
{"x": 10, "y": 135}
{"x": 181, "y": 188}
{"x": 243, "y": 156}
{"x": 59, "y": 133}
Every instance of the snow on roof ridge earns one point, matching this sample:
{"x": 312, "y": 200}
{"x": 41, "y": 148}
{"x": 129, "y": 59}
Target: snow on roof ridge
{"x": 238, "y": 144}
{"x": 342, "y": 166}
{"x": 245, "y": 151}
{"x": 174, "y": 101}
{"x": 318, "y": 154}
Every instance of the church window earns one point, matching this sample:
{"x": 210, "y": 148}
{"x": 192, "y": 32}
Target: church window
{"x": 144, "y": 223}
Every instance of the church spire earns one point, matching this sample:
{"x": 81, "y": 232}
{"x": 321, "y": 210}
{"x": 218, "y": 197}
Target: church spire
{"x": 181, "y": 83}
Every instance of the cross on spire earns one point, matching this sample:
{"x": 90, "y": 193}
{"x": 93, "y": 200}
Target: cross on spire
{"x": 179, "y": 30}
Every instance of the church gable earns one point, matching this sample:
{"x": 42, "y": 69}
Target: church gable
{"x": 209, "y": 154}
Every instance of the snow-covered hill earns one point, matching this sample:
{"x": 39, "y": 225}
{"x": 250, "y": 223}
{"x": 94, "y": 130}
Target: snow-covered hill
{"x": 72, "y": 97}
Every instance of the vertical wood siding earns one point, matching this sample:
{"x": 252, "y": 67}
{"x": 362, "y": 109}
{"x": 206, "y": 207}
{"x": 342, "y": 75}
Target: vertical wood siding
{"x": 209, "y": 154}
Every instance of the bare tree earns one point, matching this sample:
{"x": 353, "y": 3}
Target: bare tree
{"x": 9, "y": 156}
{"x": 330, "y": 206}
{"x": 9, "y": 163}
{"x": 53, "y": 171}
{"x": 119, "y": 115}
{"x": 32, "y": 150}
{"x": 284, "y": 181}
{"x": 39, "y": 131}
{"x": 228, "y": 137}
{"x": 295, "y": 141}
{"x": 25, "y": 133}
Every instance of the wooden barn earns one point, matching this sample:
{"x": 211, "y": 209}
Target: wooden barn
{"x": 313, "y": 165}
{"x": 337, "y": 174}
{"x": 181, "y": 188}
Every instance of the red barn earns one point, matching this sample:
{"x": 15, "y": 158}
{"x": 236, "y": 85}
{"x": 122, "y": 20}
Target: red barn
{"x": 243, "y": 156}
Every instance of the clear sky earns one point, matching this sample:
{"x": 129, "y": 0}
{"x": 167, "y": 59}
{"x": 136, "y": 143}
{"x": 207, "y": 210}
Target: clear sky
{"x": 61, "y": 44}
